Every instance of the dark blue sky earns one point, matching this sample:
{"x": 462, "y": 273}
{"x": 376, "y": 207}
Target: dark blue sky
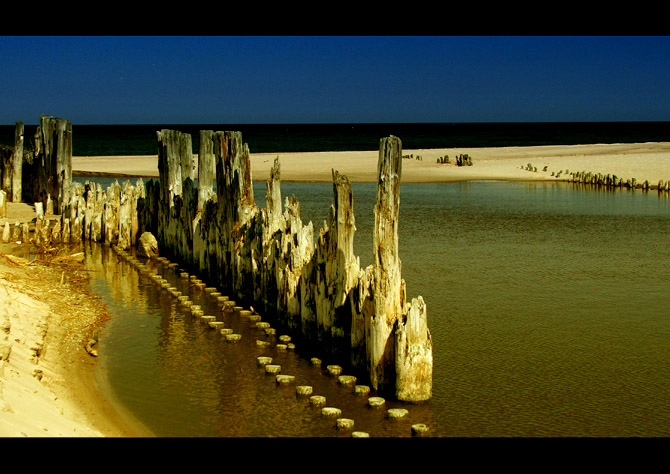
{"x": 175, "y": 80}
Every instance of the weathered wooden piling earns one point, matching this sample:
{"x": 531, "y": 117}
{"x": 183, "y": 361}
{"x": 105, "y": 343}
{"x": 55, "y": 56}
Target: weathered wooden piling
{"x": 6, "y": 154}
{"x": 11, "y": 165}
{"x": 47, "y": 173}
{"x": 614, "y": 182}
{"x": 17, "y": 163}
{"x": 327, "y": 278}
{"x": 3, "y": 204}
{"x": 386, "y": 285}
{"x": 206, "y": 169}
{"x": 414, "y": 354}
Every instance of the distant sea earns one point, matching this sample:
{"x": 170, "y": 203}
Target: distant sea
{"x": 109, "y": 140}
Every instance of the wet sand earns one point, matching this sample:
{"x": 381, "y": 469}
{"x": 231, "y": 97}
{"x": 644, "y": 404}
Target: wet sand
{"x": 49, "y": 385}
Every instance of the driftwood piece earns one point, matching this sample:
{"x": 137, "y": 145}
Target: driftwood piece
{"x": 92, "y": 343}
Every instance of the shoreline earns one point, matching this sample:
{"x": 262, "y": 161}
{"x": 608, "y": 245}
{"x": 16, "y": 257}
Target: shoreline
{"x": 71, "y": 398}
{"x": 49, "y": 385}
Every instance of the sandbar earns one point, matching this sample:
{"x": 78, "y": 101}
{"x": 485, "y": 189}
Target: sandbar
{"x": 642, "y": 161}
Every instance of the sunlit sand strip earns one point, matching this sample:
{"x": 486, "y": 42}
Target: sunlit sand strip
{"x": 642, "y": 161}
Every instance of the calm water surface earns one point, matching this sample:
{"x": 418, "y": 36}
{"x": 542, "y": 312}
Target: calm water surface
{"x": 548, "y": 306}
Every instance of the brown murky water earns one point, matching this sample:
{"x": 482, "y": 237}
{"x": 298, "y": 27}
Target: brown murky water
{"x": 548, "y": 306}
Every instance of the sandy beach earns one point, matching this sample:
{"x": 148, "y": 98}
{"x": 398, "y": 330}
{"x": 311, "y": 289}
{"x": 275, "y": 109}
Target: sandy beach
{"x": 47, "y": 382}
{"x": 642, "y": 161}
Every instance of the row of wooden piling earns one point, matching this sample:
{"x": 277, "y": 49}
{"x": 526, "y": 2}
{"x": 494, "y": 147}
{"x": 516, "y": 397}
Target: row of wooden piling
{"x": 284, "y": 342}
{"x": 269, "y": 257}
{"x": 606, "y": 181}
{"x": 309, "y": 280}
{"x": 612, "y": 181}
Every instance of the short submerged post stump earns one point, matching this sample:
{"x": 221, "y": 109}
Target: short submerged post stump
{"x": 317, "y": 400}
{"x": 397, "y": 413}
{"x": 331, "y": 412}
{"x": 376, "y": 402}
{"x": 272, "y": 369}
{"x": 304, "y": 390}
{"x": 420, "y": 429}
{"x": 285, "y": 379}
{"x": 334, "y": 370}
{"x": 361, "y": 390}
{"x": 345, "y": 423}
{"x": 347, "y": 380}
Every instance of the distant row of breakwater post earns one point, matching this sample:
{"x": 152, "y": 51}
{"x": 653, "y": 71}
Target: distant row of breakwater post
{"x": 311, "y": 282}
{"x": 605, "y": 181}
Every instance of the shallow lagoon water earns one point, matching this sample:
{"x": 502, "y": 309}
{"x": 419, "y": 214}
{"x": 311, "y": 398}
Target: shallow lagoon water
{"x": 547, "y": 305}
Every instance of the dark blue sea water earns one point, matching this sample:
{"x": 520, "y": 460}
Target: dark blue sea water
{"x": 109, "y": 140}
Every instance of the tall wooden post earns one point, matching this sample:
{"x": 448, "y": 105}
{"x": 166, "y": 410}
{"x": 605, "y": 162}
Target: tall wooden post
{"x": 175, "y": 165}
{"x": 206, "y": 168}
{"x": 6, "y": 154}
{"x": 49, "y": 174}
{"x": 17, "y": 164}
{"x": 387, "y": 285}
